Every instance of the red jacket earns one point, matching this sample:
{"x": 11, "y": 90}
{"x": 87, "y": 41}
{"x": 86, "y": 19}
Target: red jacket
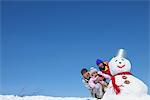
{"x": 107, "y": 70}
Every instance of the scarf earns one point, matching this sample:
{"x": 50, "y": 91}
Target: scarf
{"x": 115, "y": 86}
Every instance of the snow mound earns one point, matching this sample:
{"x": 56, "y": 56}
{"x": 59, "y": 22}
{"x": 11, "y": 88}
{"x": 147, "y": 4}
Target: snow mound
{"x": 121, "y": 97}
{"x": 11, "y": 97}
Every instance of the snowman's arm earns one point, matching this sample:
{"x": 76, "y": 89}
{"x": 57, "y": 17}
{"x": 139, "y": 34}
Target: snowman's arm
{"x": 105, "y": 75}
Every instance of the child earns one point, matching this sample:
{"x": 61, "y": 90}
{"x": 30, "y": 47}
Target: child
{"x": 96, "y": 81}
{"x": 86, "y": 77}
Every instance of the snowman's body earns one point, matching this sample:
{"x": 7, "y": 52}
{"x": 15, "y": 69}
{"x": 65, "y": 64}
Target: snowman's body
{"x": 128, "y": 84}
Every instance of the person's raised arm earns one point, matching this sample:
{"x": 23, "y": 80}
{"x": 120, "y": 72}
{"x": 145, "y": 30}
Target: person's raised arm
{"x": 105, "y": 75}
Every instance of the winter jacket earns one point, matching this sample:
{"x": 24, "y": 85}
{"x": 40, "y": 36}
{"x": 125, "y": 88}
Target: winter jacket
{"x": 94, "y": 80}
{"x": 95, "y": 92}
{"x": 86, "y": 84}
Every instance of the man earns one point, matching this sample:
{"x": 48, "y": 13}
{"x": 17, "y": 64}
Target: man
{"x": 95, "y": 92}
{"x": 103, "y": 66}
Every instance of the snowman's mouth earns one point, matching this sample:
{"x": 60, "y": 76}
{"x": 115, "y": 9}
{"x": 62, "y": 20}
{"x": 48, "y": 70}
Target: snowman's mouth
{"x": 120, "y": 66}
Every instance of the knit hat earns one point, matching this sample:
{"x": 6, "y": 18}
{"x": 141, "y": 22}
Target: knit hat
{"x": 98, "y": 61}
{"x": 92, "y": 70}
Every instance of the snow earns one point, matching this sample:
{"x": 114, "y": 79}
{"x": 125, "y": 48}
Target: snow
{"x": 127, "y": 97}
{"x": 11, "y": 97}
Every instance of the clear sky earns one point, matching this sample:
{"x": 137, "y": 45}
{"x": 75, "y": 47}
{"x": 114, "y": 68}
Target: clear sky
{"x": 45, "y": 44}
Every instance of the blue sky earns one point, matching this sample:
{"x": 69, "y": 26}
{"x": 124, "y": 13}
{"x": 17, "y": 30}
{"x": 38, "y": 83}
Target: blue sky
{"x": 45, "y": 44}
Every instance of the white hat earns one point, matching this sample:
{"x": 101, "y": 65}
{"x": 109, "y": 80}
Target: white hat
{"x": 92, "y": 70}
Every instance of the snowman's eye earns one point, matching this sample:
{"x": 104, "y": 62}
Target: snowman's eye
{"x": 116, "y": 60}
{"x": 122, "y": 59}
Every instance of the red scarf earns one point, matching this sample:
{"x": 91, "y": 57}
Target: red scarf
{"x": 115, "y": 86}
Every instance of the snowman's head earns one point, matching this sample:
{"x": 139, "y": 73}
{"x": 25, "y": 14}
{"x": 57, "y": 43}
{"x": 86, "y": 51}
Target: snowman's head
{"x": 119, "y": 64}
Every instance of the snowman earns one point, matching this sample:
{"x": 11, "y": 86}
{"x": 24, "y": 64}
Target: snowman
{"x": 123, "y": 83}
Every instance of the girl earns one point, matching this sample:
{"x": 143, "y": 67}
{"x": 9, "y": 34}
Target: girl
{"x": 96, "y": 81}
